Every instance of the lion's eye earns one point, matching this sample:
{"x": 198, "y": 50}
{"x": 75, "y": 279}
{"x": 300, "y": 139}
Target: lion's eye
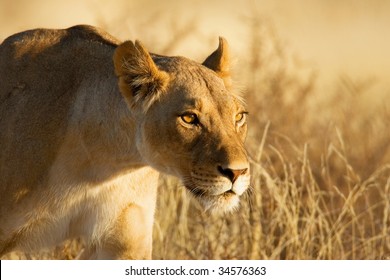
{"x": 240, "y": 118}
{"x": 189, "y": 118}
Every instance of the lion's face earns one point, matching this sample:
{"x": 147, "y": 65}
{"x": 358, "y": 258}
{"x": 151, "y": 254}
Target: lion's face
{"x": 193, "y": 127}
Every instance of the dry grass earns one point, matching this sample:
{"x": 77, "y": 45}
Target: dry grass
{"x": 320, "y": 169}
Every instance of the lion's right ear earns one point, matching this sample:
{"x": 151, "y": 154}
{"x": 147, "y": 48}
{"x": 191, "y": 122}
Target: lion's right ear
{"x": 140, "y": 80}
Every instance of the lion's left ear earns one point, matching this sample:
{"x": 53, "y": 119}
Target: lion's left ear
{"x": 219, "y": 62}
{"x": 140, "y": 80}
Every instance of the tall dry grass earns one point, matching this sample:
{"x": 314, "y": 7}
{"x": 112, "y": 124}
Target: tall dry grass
{"x": 320, "y": 169}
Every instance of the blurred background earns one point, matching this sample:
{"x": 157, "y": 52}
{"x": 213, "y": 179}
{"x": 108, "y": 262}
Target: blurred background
{"x": 315, "y": 76}
{"x": 349, "y": 36}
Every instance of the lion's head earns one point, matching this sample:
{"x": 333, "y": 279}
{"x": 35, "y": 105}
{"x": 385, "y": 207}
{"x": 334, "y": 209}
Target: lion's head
{"x": 189, "y": 123}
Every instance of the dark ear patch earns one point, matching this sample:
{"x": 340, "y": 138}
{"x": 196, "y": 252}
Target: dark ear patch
{"x": 140, "y": 80}
{"x": 219, "y": 62}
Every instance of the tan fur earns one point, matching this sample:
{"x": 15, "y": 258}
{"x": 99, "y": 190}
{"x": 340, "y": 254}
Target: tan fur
{"x": 87, "y": 124}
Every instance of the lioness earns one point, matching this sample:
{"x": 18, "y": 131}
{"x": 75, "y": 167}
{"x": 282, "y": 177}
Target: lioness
{"x": 86, "y": 125}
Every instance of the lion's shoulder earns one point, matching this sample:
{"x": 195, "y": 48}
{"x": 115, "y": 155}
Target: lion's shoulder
{"x": 92, "y": 34}
{"x": 48, "y": 37}
{"x": 78, "y": 46}
{"x": 62, "y": 56}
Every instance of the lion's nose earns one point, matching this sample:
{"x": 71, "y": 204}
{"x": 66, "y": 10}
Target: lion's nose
{"x": 232, "y": 174}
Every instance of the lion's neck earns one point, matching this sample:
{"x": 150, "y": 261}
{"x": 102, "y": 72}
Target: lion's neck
{"x": 101, "y": 135}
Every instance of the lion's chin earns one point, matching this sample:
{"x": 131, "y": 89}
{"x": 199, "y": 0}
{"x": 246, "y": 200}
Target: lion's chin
{"x": 226, "y": 202}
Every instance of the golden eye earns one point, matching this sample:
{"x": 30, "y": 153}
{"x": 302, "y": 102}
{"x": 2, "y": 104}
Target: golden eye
{"x": 239, "y": 117}
{"x": 189, "y": 118}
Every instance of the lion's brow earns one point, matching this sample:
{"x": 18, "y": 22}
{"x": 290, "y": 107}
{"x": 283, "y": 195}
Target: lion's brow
{"x": 193, "y": 103}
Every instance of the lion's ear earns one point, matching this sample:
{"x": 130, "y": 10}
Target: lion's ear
{"x": 140, "y": 80}
{"x": 219, "y": 62}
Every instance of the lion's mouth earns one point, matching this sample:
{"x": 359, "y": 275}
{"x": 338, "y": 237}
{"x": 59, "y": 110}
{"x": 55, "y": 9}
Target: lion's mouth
{"x": 223, "y": 202}
{"x": 202, "y": 193}
{"x": 216, "y": 193}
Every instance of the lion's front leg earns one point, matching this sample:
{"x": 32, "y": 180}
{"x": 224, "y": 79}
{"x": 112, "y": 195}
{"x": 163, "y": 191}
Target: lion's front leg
{"x": 130, "y": 237}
